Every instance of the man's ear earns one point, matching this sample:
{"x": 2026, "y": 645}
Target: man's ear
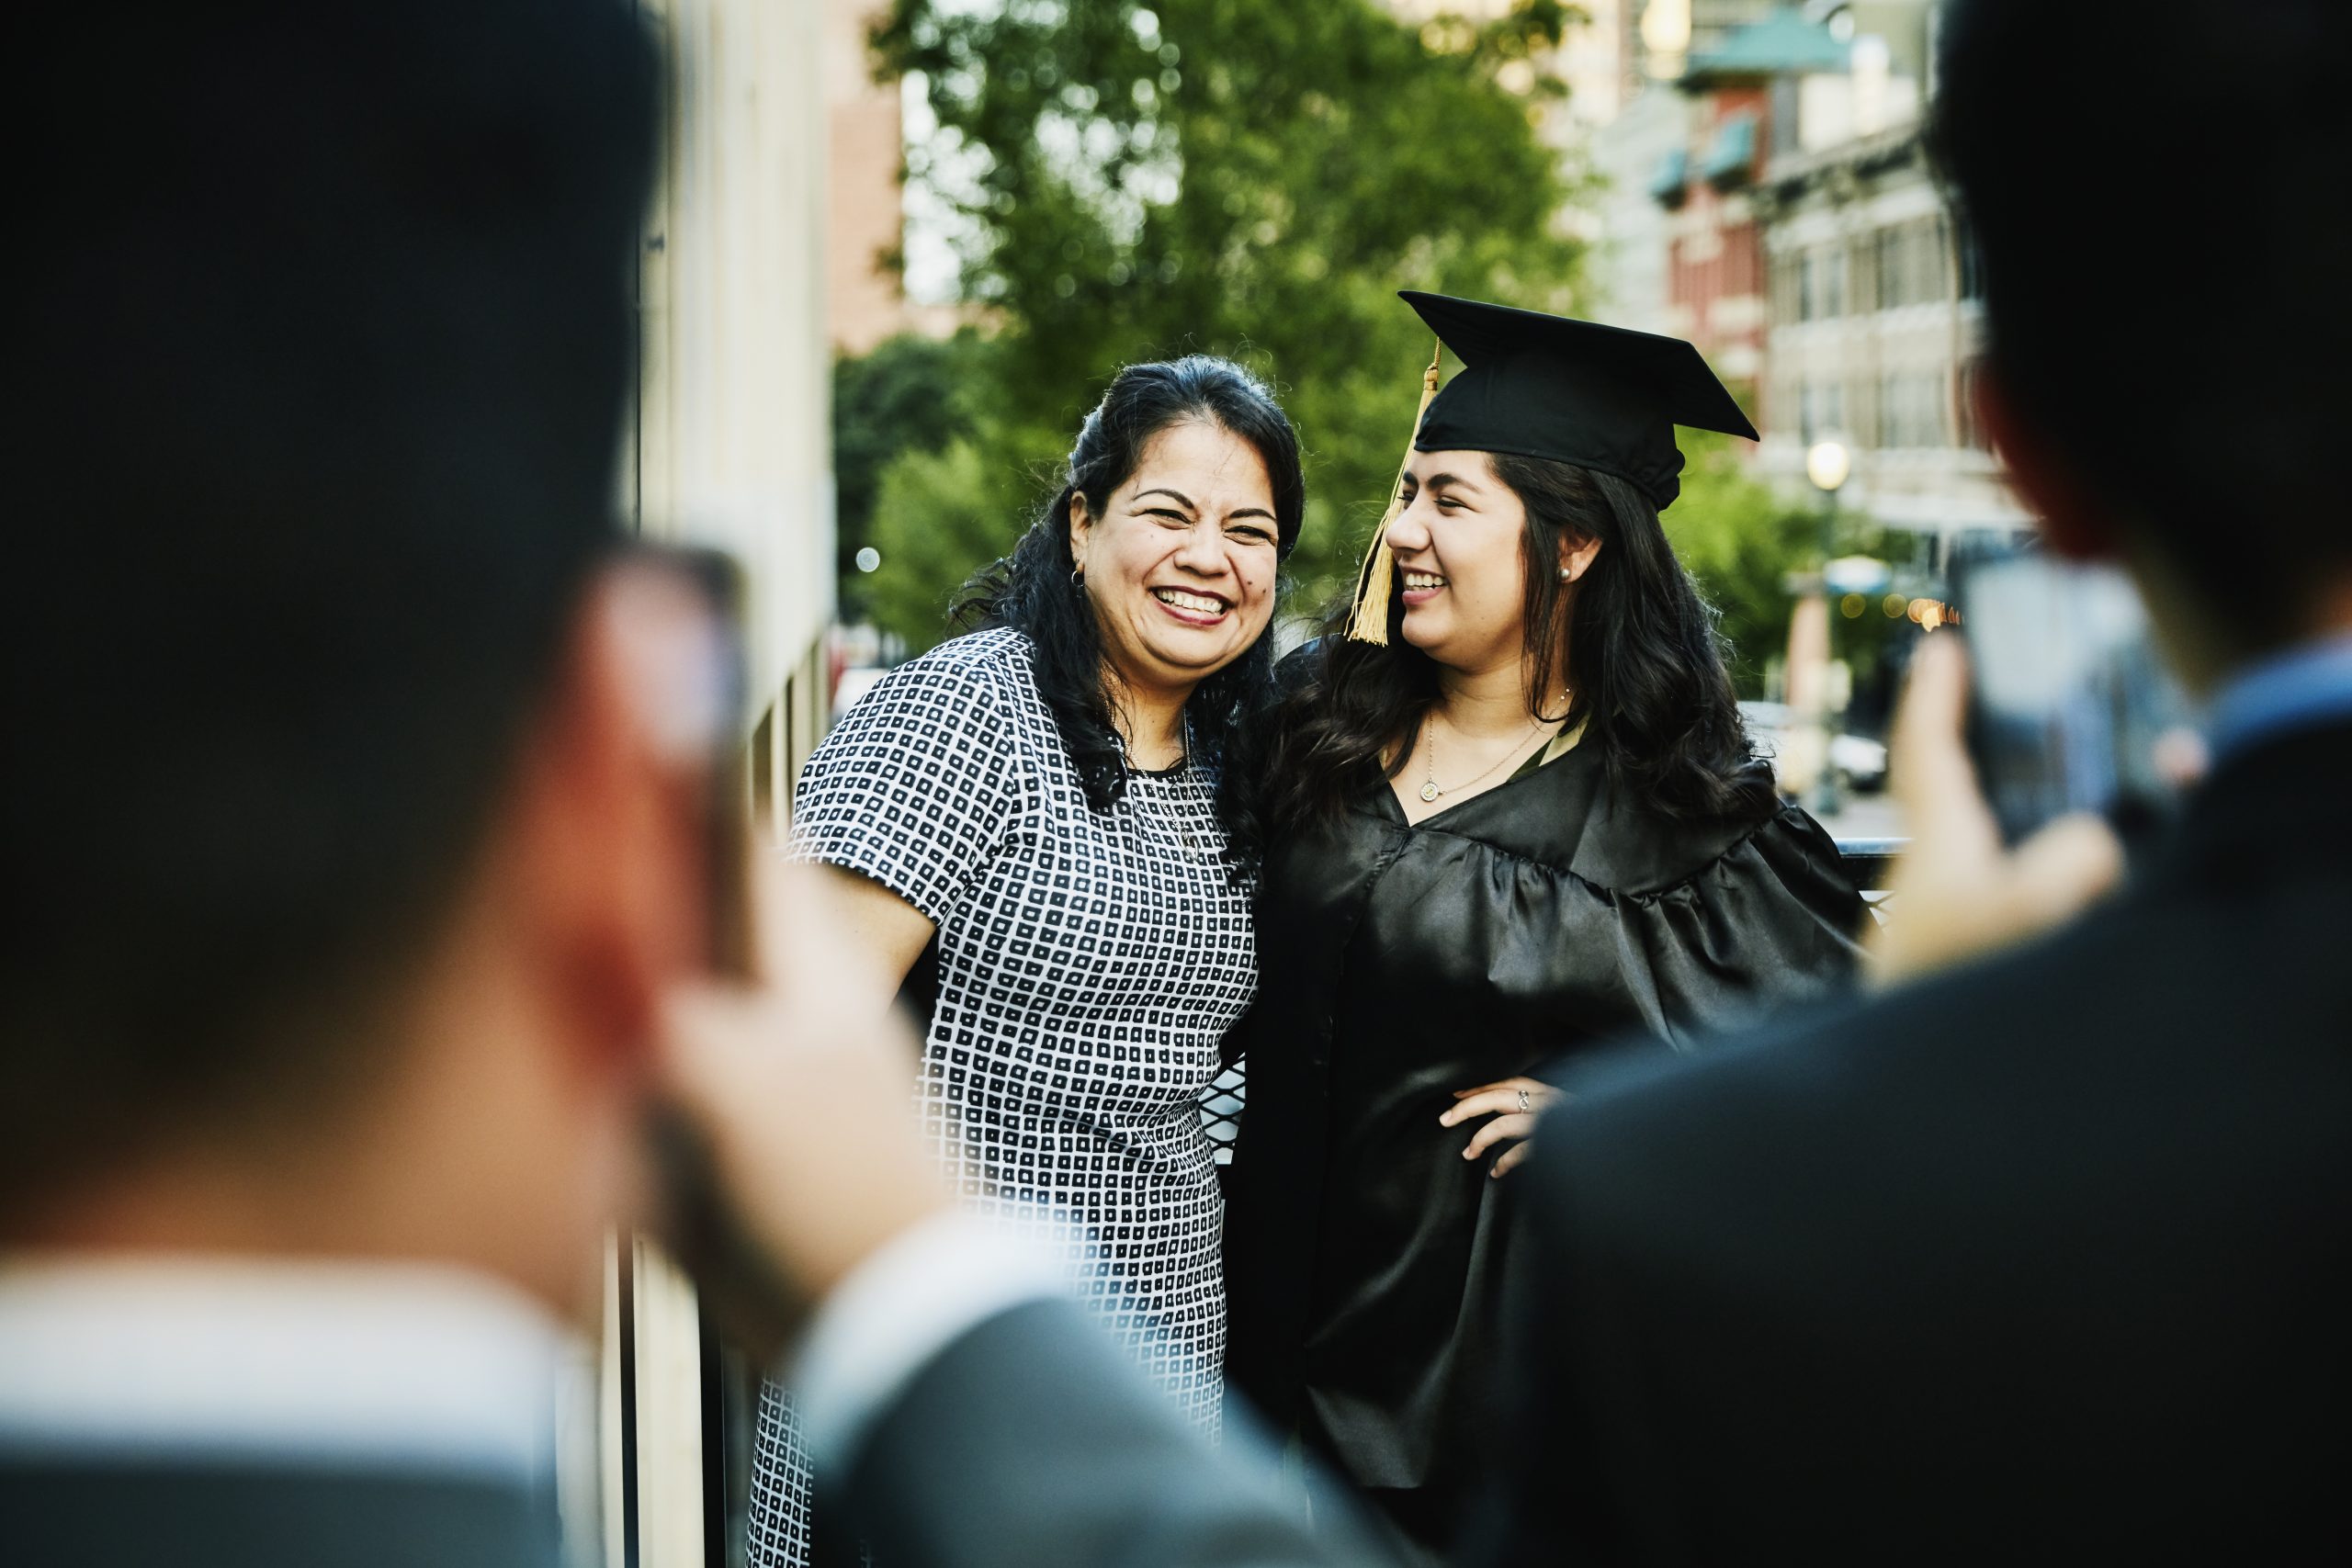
{"x": 2070, "y": 514}
{"x": 610, "y": 818}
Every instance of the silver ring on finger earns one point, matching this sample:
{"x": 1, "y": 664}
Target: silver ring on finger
{"x": 1525, "y": 1104}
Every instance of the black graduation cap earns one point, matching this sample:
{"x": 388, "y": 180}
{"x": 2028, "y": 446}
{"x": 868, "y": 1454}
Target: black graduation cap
{"x": 1539, "y": 386}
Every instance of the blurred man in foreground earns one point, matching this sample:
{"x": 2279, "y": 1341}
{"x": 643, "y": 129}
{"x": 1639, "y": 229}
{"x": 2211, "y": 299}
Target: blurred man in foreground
{"x": 2049, "y": 1257}
{"x": 355, "y": 851}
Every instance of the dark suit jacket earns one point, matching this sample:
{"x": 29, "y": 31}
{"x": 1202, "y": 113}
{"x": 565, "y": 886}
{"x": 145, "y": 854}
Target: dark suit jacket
{"x": 1031, "y": 1442}
{"x": 88, "y": 1514}
{"x": 2048, "y": 1259}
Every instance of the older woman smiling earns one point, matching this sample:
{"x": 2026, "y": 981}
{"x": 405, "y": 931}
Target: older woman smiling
{"x": 1027, "y": 828}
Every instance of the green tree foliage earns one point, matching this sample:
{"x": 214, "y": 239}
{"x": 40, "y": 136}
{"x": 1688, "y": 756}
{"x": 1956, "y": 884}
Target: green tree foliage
{"x": 939, "y": 514}
{"x": 909, "y": 394}
{"x": 1231, "y": 176}
{"x": 1741, "y": 539}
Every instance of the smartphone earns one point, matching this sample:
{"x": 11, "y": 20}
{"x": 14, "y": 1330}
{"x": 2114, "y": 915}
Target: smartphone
{"x": 704, "y": 687}
{"x": 726, "y": 814}
{"x": 2070, "y": 706}
{"x": 702, "y": 679}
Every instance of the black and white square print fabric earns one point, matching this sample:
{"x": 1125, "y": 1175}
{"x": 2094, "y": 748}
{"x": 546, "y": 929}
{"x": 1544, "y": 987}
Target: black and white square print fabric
{"x": 1089, "y": 964}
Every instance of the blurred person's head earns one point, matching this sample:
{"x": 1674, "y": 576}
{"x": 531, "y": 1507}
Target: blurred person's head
{"x": 2151, "y": 186}
{"x": 1154, "y": 567}
{"x": 326, "y": 791}
{"x": 1560, "y": 575}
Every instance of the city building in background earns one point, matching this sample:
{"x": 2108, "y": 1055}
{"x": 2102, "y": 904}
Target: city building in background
{"x": 1642, "y": 151}
{"x": 1754, "y": 91}
{"x": 865, "y": 215}
{"x": 866, "y": 229}
{"x": 1877, "y": 327}
{"x": 1876, "y": 317}
{"x": 1601, "y": 62}
{"x": 1768, "y": 196}
{"x": 1713, "y": 86}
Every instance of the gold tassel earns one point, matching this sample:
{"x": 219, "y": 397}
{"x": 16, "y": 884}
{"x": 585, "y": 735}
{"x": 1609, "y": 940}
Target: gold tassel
{"x": 1376, "y": 580}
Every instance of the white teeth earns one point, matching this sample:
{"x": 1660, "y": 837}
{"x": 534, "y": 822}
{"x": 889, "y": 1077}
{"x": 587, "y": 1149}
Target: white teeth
{"x": 1200, "y": 603}
{"x": 1414, "y": 581}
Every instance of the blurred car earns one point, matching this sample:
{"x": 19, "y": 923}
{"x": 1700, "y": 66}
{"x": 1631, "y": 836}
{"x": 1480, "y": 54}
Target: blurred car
{"x": 1856, "y": 762}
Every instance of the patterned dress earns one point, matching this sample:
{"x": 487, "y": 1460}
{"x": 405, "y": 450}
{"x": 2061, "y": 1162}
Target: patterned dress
{"x": 1088, "y": 964}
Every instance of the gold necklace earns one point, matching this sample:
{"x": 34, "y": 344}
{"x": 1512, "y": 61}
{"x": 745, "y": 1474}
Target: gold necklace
{"x": 1430, "y": 791}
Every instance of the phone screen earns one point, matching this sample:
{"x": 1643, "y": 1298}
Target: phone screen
{"x": 700, "y": 708}
{"x": 727, "y": 818}
{"x": 2071, "y": 706}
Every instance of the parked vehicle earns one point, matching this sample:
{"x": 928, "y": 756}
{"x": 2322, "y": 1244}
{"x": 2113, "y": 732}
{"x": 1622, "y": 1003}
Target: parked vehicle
{"x": 1856, "y": 762}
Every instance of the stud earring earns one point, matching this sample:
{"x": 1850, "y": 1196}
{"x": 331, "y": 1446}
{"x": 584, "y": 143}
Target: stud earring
{"x": 1566, "y": 576}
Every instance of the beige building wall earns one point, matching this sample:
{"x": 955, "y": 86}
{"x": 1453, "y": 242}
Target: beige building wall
{"x": 733, "y": 446}
{"x": 731, "y": 449}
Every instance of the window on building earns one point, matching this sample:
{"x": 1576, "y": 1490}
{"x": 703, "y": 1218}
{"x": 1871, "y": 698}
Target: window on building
{"x": 1806, "y": 302}
{"x": 1890, "y": 268}
{"x": 1807, "y": 425}
{"x": 1833, "y": 407}
{"x": 1833, "y": 303}
{"x": 1784, "y": 114}
{"x": 1972, "y": 263}
{"x": 1894, "y": 428}
{"x": 1971, "y": 433}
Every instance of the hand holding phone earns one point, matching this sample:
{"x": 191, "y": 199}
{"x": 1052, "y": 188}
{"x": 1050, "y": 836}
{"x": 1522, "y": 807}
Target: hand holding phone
{"x": 1959, "y": 891}
{"x": 2071, "y": 708}
{"x": 784, "y": 1139}
{"x": 787, "y": 1137}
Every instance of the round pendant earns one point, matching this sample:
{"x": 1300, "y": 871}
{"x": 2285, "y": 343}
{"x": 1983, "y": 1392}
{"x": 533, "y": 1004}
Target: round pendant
{"x": 1429, "y": 791}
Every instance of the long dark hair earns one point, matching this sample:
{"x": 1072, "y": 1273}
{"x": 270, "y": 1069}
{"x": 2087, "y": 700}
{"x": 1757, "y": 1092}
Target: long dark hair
{"x": 1650, "y": 687}
{"x": 1032, "y": 589}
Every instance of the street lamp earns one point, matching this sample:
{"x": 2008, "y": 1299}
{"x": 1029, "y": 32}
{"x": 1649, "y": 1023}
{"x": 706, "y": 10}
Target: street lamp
{"x": 1828, "y": 465}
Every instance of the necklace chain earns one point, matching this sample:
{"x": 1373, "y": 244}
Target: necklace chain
{"x": 1431, "y": 791}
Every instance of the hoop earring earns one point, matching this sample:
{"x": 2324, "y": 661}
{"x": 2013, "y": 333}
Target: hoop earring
{"x": 1077, "y": 577}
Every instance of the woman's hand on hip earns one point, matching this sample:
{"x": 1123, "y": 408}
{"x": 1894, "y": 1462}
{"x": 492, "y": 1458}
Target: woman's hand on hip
{"x": 1514, "y": 1104}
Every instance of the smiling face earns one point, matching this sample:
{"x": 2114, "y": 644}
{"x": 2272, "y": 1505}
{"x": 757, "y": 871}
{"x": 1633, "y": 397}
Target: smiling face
{"x": 1180, "y": 564}
{"x": 1459, "y": 544}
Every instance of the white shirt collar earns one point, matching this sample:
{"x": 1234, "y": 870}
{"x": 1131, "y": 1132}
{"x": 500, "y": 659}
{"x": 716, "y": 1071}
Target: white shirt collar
{"x": 367, "y": 1364}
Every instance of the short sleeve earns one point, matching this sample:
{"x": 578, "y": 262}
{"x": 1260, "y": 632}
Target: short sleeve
{"x": 915, "y": 787}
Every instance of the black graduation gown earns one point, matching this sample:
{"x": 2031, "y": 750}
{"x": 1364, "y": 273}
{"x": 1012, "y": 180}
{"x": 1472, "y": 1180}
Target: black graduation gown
{"x": 1364, "y": 1256}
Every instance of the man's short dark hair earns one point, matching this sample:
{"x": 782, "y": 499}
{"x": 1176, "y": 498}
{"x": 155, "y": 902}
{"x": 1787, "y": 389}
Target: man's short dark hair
{"x": 326, "y": 341}
{"x": 2156, "y": 187}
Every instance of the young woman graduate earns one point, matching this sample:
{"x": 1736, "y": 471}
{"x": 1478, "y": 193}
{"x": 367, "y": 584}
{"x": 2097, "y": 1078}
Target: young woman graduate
{"x": 1513, "y": 814}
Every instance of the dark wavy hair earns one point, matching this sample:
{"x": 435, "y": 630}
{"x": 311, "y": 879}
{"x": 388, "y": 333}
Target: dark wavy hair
{"x": 1650, "y": 685}
{"x": 1032, "y": 589}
